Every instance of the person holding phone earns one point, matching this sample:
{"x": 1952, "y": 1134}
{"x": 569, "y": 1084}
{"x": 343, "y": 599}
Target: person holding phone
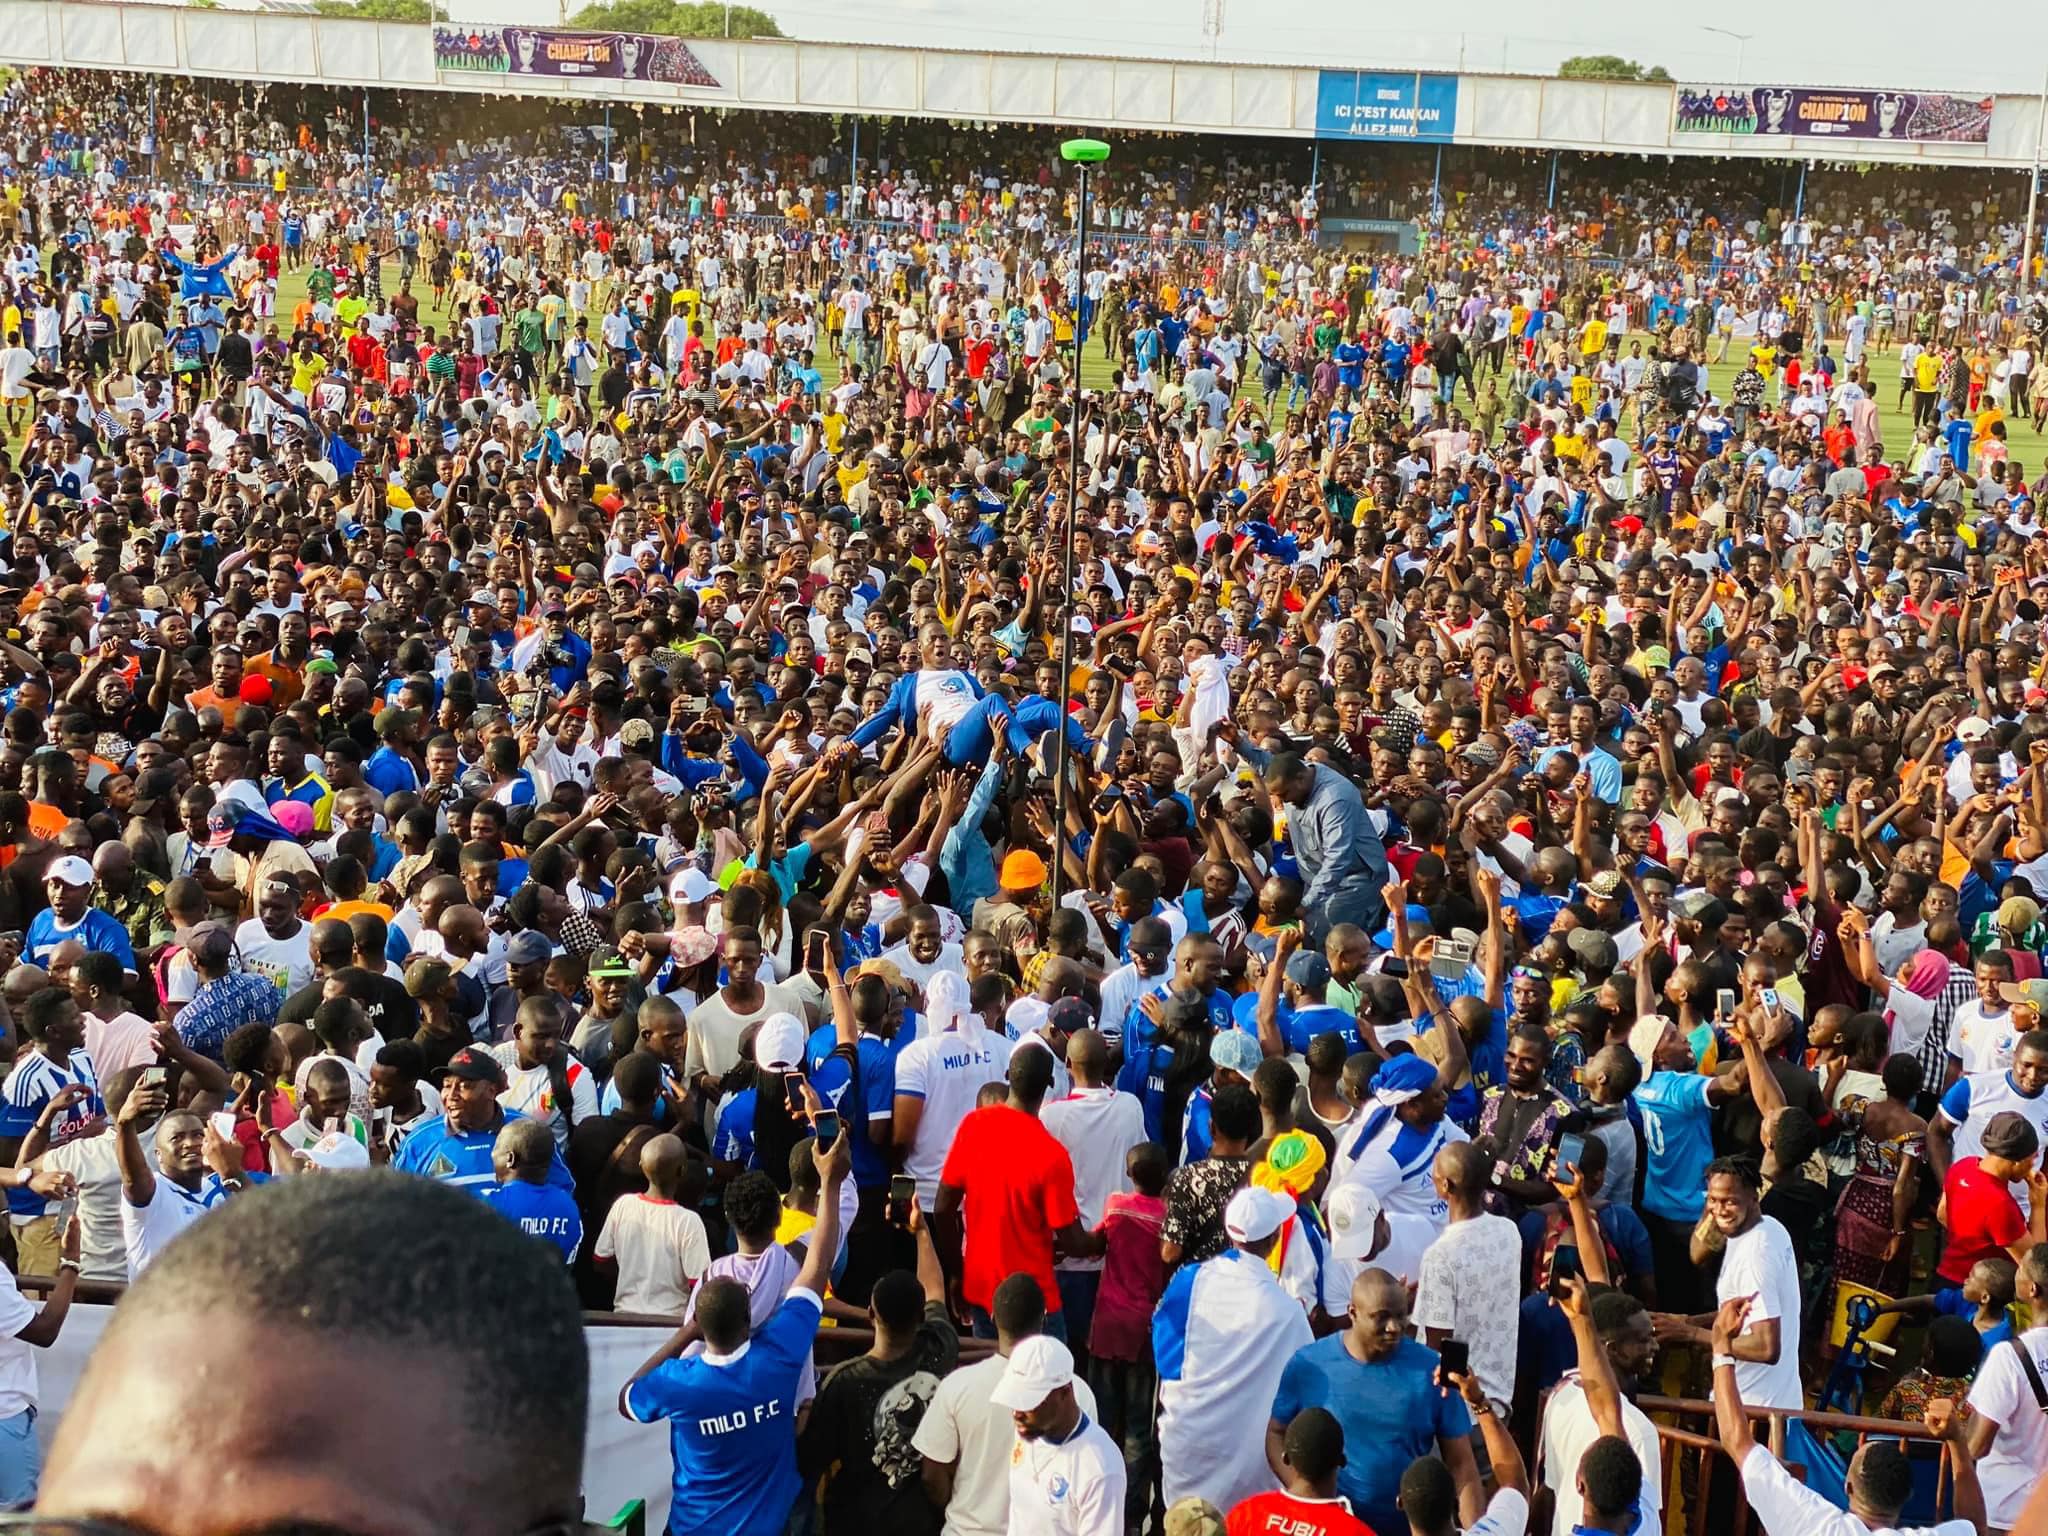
{"x": 731, "y": 1409}
{"x": 1382, "y": 1387}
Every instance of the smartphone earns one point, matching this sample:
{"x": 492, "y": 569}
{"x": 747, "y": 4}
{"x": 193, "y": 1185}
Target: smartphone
{"x": 519, "y": 529}
{"x": 1724, "y": 1004}
{"x": 826, "y": 1127}
{"x": 224, "y": 1123}
{"x": 1395, "y": 966}
{"x": 381, "y": 1119}
{"x": 793, "y": 1087}
{"x": 331, "y": 1126}
{"x": 461, "y": 641}
{"x": 1456, "y": 1358}
{"x": 154, "y": 1077}
{"x": 1564, "y": 1267}
{"x": 1571, "y": 1148}
{"x": 1769, "y": 995}
{"x": 902, "y": 1190}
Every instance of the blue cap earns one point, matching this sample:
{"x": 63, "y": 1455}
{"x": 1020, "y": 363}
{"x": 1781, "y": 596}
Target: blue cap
{"x": 1235, "y": 1051}
{"x": 1416, "y": 914}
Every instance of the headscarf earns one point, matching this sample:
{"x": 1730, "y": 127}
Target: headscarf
{"x": 1928, "y": 974}
{"x": 946, "y": 1005}
{"x": 1399, "y": 1079}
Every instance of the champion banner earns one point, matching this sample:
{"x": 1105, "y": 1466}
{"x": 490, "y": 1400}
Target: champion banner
{"x": 1735, "y": 111}
{"x": 546, "y": 52}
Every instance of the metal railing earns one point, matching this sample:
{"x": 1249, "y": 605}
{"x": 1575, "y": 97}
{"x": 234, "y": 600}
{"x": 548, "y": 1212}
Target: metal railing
{"x": 1674, "y": 1442}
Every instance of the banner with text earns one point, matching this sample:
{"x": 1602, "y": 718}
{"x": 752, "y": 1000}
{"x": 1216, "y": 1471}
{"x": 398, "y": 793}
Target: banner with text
{"x": 552, "y": 54}
{"x": 1795, "y": 112}
{"x": 1370, "y": 104}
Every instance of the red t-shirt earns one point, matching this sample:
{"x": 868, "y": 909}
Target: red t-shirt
{"x": 1019, "y": 1188}
{"x": 1984, "y": 1220}
{"x": 1282, "y": 1514}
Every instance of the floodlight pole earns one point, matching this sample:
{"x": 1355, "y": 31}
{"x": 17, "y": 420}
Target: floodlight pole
{"x": 1081, "y": 154}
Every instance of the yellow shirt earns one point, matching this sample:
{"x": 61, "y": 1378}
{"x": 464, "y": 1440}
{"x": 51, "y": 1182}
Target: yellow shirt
{"x": 1926, "y": 371}
{"x": 307, "y": 371}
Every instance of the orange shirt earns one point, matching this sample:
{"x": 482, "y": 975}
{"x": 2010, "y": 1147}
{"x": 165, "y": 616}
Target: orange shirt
{"x": 207, "y": 698}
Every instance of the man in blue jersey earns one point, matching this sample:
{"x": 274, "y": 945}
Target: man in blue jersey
{"x": 732, "y": 1407}
{"x": 457, "y": 1149}
{"x": 933, "y": 700}
{"x": 1677, "y": 1107}
{"x": 70, "y": 915}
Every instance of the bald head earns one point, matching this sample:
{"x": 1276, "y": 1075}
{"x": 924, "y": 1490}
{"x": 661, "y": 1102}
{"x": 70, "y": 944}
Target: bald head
{"x": 1088, "y": 1056}
{"x": 661, "y": 1160}
{"x": 1462, "y": 1167}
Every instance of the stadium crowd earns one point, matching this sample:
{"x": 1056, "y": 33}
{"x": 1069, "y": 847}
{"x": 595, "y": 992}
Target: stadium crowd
{"x": 1504, "y": 879}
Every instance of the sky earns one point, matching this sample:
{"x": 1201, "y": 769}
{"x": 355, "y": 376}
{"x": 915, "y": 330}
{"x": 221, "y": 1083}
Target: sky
{"x": 1787, "y": 46}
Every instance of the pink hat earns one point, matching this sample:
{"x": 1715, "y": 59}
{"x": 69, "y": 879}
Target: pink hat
{"x": 295, "y": 816}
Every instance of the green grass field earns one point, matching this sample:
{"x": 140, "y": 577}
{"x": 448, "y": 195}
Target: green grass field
{"x": 2028, "y": 447}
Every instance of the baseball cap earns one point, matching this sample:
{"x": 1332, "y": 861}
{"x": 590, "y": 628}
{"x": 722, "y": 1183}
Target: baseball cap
{"x": 1038, "y": 1367}
{"x": 690, "y": 884}
{"x": 210, "y": 943}
{"x": 72, "y": 870}
{"x": 692, "y": 945}
{"x": 2034, "y": 994}
{"x": 1354, "y": 1221}
{"x": 1193, "y": 1516}
{"x": 1070, "y": 1015}
{"x": 529, "y": 947}
{"x": 779, "y": 1043}
{"x": 1235, "y": 1051}
{"x": 427, "y": 975}
{"x": 336, "y": 1151}
{"x": 474, "y": 1064}
{"x": 395, "y": 719}
{"x": 220, "y": 825}
{"x": 1594, "y": 947}
{"x": 1308, "y": 970}
{"x": 1972, "y": 728}
{"x": 1255, "y": 1214}
{"x": 609, "y": 962}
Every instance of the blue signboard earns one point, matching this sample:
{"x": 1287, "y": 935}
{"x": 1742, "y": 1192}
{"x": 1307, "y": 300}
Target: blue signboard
{"x": 1373, "y": 104}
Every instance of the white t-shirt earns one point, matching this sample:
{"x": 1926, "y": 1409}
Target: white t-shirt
{"x": 1506, "y": 1514}
{"x": 532, "y": 1092}
{"x": 146, "y": 1228}
{"x": 1569, "y": 1432}
{"x": 946, "y": 1071}
{"x": 661, "y": 1252}
{"x": 1981, "y": 1043}
{"x": 17, "y": 1356}
{"x": 1760, "y": 1263}
{"x": 2018, "y": 1457}
{"x": 950, "y": 959}
{"x": 1787, "y": 1507}
{"x": 1070, "y": 1487}
{"x": 287, "y": 963}
{"x": 1098, "y": 1127}
{"x": 102, "y": 1253}
{"x": 715, "y": 1029}
{"x": 962, "y": 1426}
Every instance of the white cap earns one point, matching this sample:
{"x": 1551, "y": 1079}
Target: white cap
{"x": 337, "y": 1150}
{"x": 1354, "y": 1221}
{"x": 72, "y": 870}
{"x": 690, "y": 884}
{"x": 1038, "y": 1367}
{"x": 779, "y": 1043}
{"x": 1255, "y": 1214}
